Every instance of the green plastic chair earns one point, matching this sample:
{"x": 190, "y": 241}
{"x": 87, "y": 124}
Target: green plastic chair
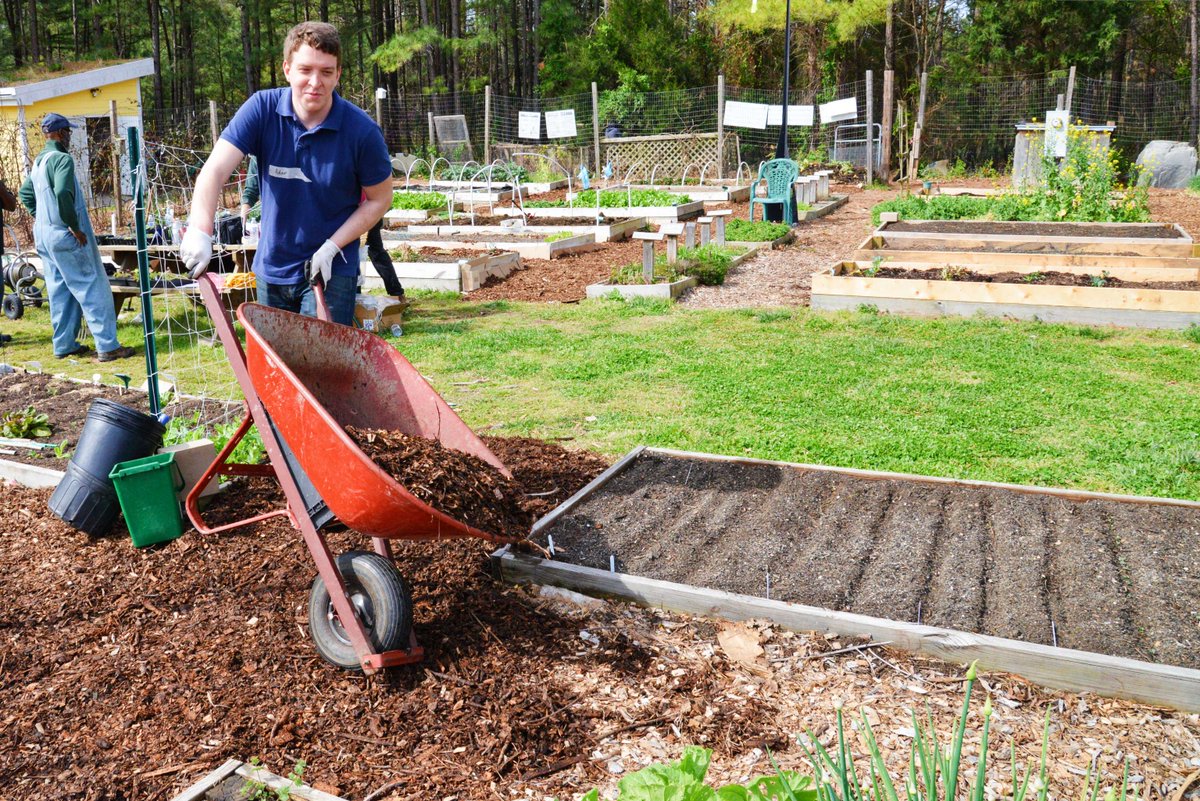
{"x": 779, "y": 175}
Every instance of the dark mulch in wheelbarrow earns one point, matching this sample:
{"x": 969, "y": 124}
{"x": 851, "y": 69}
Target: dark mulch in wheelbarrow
{"x": 458, "y": 484}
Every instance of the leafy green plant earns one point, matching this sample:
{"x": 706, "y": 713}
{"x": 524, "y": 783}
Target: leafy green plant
{"x": 684, "y": 781}
{"x": 189, "y": 429}
{"x": 1193, "y": 187}
{"x": 636, "y": 197}
{"x": 60, "y": 450}
{"x": 738, "y": 230}
{"x": 418, "y": 200}
{"x": 26, "y": 424}
{"x": 1193, "y": 333}
{"x": 873, "y": 270}
{"x": 631, "y": 274}
{"x": 404, "y": 254}
{"x": 558, "y": 235}
{"x": 258, "y": 791}
{"x": 1101, "y": 279}
{"x": 709, "y": 263}
{"x": 1033, "y": 277}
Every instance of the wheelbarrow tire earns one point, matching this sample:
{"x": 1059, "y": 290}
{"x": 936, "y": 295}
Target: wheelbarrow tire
{"x": 13, "y": 307}
{"x": 380, "y": 596}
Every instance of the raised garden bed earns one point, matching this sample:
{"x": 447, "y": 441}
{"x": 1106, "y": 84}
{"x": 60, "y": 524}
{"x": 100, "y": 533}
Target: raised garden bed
{"x": 822, "y": 207}
{"x": 662, "y": 291}
{"x": 459, "y": 270}
{"x": 845, "y": 286}
{"x": 529, "y": 246}
{"x": 653, "y": 214}
{"x": 1071, "y": 589}
{"x": 541, "y": 187}
{"x": 706, "y": 193}
{"x": 237, "y": 781}
{"x": 984, "y": 236}
{"x": 610, "y": 231}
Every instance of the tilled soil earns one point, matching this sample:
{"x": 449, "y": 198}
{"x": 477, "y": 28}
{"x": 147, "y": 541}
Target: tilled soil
{"x": 1104, "y": 576}
{"x": 1048, "y": 278}
{"x": 1037, "y": 229}
{"x": 458, "y": 484}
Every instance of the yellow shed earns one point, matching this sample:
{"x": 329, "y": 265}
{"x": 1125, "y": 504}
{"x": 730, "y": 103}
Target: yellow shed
{"x": 84, "y": 97}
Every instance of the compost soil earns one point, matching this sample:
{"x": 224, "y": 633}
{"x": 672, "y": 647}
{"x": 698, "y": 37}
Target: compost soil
{"x": 1098, "y": 575}
{"x": 1140, "y": 231}
{"x": 458, "y": 484}
{"x": 437, "y": 255}
{"x": 1048, "y": 278}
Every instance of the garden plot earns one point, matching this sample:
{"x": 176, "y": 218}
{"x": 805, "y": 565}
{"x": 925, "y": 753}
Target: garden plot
{"x": 446, "y": 271}
{"x": 657, "y": 215}
{"x": 1068, "y": 588}
{"x": 706, "y": 193}
{"x": 1131, "y": 274}
{"x": 530, "y": 246}
{"x": 822, "y": 207}
{"x": 609, "y": 231}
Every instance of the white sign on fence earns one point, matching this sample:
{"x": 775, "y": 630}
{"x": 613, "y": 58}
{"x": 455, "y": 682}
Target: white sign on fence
{"x": 529, "y": 124}
{"x": 838, "y": 110}
{"x": 797, "y": 115}
{"x": 745, "y": 115}
{"x": 560, "y": 124}
{"x": 1057, "y": 123}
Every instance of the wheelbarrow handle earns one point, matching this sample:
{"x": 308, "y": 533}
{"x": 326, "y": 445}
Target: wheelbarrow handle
{"x": 318, "y": 287}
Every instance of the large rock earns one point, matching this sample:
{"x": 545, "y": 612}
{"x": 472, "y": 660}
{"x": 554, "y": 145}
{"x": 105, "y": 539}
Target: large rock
{"x": 1169, "y": 165}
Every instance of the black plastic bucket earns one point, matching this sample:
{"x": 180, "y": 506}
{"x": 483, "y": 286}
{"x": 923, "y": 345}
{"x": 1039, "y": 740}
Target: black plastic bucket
{"x": 112, "y": 434}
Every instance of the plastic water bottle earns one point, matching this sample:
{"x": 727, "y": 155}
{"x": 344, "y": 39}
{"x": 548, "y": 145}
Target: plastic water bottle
{"x": 169, "y": 225}
{"x": 251, "y": 236}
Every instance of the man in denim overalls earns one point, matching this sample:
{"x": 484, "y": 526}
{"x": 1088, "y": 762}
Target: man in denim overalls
{"x": 75, "y": 278}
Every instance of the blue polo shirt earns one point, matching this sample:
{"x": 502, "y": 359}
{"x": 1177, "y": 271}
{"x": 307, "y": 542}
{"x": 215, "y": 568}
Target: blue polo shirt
{"x": 311, "y": 180}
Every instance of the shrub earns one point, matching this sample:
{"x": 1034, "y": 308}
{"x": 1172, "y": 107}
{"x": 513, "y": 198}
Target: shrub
{"x": 758, "y": 231}
{"x": 1193, "y": 186}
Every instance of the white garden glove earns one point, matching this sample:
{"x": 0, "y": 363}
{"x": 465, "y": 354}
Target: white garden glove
{"x": 196, "y": 250}
{"x": 322, "y": 261}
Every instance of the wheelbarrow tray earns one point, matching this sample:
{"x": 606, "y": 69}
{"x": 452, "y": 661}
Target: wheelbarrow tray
{"x": 315, "y": 378}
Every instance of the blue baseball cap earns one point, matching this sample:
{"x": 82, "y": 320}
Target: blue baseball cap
{"x": 56, "y": 122}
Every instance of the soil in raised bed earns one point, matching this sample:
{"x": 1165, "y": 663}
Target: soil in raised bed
{"x": 1106, "y": 230}
{"x": 430, "y": 255}
{"x": 1047, "y": 278}
{"x": 458, "y": 484}
{"x": 1099, "y": 575}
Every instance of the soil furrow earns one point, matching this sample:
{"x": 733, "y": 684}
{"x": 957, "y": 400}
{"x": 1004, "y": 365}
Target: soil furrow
{"x": 793, "y": 513}
{"x": 1016, "y": 582}
{"x": 955, "y": 595}
{"x": 1088, "y": 602}
{"x": 900, "y": 564}
{"x": 1164, "y": 576}
{"x": 842, "y": 540}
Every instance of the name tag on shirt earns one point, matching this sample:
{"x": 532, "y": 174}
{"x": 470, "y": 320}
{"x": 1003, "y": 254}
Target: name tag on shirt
{"x": 288, "y": 172}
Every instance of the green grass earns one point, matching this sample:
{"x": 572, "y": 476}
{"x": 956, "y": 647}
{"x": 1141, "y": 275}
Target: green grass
{"x": 1075, "y": 406}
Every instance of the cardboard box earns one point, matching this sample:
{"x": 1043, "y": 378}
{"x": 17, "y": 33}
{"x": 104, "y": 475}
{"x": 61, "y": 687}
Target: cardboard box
{"x": 192, "y": 459}
{"x": 380, "y": 313}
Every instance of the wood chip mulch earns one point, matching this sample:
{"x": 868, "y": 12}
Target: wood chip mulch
{"x": 458, "y": 484}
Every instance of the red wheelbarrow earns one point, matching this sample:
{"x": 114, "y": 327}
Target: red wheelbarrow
{"x": 304, "y": 380}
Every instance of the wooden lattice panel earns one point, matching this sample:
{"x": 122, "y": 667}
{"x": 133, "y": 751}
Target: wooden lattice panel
{"x": 667, "y": 155}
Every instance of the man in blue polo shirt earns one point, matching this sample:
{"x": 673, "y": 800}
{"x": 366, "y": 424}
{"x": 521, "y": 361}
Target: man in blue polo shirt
{"x": 318, "y": 156}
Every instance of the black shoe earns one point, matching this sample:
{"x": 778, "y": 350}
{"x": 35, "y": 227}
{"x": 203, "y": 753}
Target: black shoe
{"x": 112, "y": 355}
{"x": 80, "y": 350}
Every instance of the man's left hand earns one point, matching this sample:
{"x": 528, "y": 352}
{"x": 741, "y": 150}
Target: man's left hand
{"x": 322, "y": 261}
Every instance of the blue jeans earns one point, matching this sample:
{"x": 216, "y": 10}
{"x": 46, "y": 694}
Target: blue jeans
{"x": 78, "y": 290}
{"x": 340, "y": 293}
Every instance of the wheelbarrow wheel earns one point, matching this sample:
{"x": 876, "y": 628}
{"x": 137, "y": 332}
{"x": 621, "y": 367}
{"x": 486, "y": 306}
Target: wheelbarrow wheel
{"x": 381, "y": 598}
{"x": 13, "y": 307}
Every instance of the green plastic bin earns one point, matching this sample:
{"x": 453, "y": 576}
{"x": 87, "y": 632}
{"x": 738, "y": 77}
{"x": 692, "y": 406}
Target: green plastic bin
{"x": 147, "y": 490}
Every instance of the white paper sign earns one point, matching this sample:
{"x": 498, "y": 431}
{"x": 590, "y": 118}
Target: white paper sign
{"x": 745, "y": 115}
{"x": 838, "y": 110}
{"x": 560, "y": 124}
{"x": 797, "y": 115}
{"x": 1056, "y": 132}
{"x": 529, "y": 124}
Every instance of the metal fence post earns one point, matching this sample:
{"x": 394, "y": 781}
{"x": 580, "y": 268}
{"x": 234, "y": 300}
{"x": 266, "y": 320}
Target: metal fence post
{"x": 596, "y": 125}
{"x": 487, "y": 124}
{"x": 720, "y": 126}
{"x": 870, "y": 127}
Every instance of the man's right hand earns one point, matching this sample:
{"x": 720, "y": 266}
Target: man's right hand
{"x": 80, "y": 237}
{"x": 196, "y": 251}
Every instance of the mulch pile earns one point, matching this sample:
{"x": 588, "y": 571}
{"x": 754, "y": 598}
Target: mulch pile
{"x": 458, "y": 484}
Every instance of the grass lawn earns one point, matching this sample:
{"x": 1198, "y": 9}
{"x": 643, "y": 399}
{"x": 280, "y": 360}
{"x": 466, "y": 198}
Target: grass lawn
{"x": 1102, "y": 409}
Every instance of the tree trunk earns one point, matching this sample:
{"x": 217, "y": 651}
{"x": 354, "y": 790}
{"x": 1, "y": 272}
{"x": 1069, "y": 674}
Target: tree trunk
{"x": 247, "y": 58}
{"x": 889, "y": 39}
{"x": 13, "y": 16}
{"x": 455, "y": 66}
{"x": 154, "y": 12}
{"x": 35, "y": 48}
